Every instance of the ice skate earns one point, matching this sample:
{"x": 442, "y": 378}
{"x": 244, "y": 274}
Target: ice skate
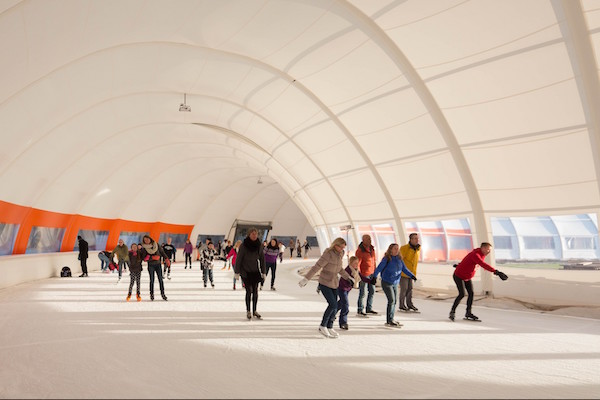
{"x": 471, "y": 317}
{"x": 169, "y": 276}
{"x": 139, "y": 298}
{"x": 164, "y": 297}
{"x": 333, "y": 334}
{"x": 257, "y": 315}
{"x": 451, "y": 316}
{"x": 248, "y": 315}
{"x": 128, "y": 297}
{"x": 324, "y": 331}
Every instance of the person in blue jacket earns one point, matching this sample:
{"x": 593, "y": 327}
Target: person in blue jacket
{"x": 390, "y": 268}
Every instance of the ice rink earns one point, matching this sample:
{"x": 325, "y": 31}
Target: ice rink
{"x": 79, "y": 338}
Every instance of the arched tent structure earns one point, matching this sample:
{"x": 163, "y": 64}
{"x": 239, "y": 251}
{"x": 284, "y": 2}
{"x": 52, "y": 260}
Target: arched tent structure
{"x": 351, "y": 112}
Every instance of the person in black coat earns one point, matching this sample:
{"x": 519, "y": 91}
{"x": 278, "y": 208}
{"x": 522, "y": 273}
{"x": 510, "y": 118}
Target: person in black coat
{"x": 83, "y": 256}
{"x": 250, "y": 265}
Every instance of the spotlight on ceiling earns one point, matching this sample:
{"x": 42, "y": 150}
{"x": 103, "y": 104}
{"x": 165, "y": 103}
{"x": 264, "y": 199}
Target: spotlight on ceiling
{"x": 184, "y": 107}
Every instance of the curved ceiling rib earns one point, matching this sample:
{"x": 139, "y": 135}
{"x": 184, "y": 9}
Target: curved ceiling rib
{"x": 585, "y": 69}
{"x": 378, "y": 36}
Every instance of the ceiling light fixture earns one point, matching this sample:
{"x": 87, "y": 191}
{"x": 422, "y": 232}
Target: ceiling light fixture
{"x": 184, "y": 107}
{"x": 259, "y": 181}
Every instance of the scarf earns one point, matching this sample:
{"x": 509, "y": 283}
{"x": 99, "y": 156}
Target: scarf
{"x": 415, "y": 248}
{"x": 151, "y": 248}
{"x": 252, "y": 244}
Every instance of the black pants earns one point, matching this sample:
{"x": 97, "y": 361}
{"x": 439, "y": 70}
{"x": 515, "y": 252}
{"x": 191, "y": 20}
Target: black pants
{"x": 188, "y": 256}
{"x": 251, "y": 293}
{"x": 84, "y": 265}
{"x": 461, "y": 285}
{"x": 272, "y": 267}
{"x": 152, "y": 269}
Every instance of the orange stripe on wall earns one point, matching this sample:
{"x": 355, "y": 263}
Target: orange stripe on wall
{"x": 28, "y": 217}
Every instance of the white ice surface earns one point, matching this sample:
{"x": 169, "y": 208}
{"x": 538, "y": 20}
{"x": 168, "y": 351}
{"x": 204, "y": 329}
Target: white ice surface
{"x": 78, "y": 338}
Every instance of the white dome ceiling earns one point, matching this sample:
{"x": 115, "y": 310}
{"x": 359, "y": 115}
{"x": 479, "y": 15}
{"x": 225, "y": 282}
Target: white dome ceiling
{"x": 357, "y": 111}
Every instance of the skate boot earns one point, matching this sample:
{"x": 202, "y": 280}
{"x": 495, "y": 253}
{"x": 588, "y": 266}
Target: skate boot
{"x": 164, "y": 297}
{"x": 128, "y": 297}
{"x": 169, "y": 276}
{"x": 139, "y": 298}
{"x": 471, "y": 317}
{"x": 451, "y": 316}
{"x": 248, "y": 315}
{"x": 257, "y": 315}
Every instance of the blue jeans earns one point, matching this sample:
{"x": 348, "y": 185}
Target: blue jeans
{"x": 104, "y": 261}
{"x": 343, "y": 306}
{"x": 207, "y": 274}
{"x": 361, "y": 294}
{"x": 121, "y": 264}
{"x": 391, "y": 292}
{"x": 331, "y": 297}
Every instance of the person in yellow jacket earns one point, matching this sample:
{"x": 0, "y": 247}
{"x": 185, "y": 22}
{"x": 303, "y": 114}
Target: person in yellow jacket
{"x": 410, "y": 255}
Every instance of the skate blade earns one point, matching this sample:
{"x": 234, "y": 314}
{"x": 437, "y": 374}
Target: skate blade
{"x": 472, "y": 320}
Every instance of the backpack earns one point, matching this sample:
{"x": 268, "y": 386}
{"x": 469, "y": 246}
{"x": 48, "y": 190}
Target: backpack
{"x": 65, "y": 272}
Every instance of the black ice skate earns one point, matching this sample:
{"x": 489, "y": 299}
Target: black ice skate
{"x": 471, "y": 317}
{"x": 451, "y": 316}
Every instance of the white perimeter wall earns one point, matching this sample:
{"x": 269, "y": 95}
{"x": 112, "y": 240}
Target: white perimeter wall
{"x": 551, "y": 287}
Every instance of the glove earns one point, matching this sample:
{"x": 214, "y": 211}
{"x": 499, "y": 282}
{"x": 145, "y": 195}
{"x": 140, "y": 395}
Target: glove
{"x": 414, "y": 278}
{"x": 501, "y": 275}
{"x": 236, "y": 276}
{"x": 373, "y": 280}
{"x": 303, "y": 282}
{"x": 168, "y": 262}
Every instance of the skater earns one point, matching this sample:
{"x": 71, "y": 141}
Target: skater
{"x": 345, "y": 287}
{"x": 207, "y": 263}
{"x": 227, "y": 251}
{"x": 187, "y": 252}
{"x": 135, "y": 271}
{"x": 104, "y": 260}
{"x": 122, "y": 253}
{"x": 366, "y": 265}
{"x": 306, "y": 248}
{"x": 390, "y": 268}
{"x": 410, "y": 255}
{"x": 281, "y": 250}
{"x": 152, "y": 253}
{"x": 330, "y": 265}
{"x": 465, "y": 271}
{"x": 291, "y": 246}
{"x": 170, "y": 251}
{"x": 83, "y": 256}
{"x": 250, "y": 265}
{"x": 271, "y": 255}
{"x": 231, "y": 258}
{"x": 298, "y": 250}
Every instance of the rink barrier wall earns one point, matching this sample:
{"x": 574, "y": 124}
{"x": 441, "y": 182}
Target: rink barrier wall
{"x": 537, "y": 286}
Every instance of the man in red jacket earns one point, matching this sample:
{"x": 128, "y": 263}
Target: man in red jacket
{"x": 465, "y": 271}
{"x": 366, "y": 265}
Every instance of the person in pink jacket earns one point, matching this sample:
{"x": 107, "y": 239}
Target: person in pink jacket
{"x": 329, "y": 265}
{"x": 232, "y": 256}
{"x": 465, "y": 271}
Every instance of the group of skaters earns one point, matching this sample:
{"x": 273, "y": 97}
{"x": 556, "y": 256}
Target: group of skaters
{"x": 398, "y": 270}
{"x": 252, "y": 261}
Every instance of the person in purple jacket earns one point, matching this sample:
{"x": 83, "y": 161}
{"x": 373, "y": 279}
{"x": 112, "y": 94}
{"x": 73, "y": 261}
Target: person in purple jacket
{"x": 345, "y": 287}
{"x": 271, "y": 254}
{"x": 187, "y": 251}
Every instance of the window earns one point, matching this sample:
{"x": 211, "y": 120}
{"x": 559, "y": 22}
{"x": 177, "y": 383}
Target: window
{"x": 580, "y": 243}
{"x": 460, "y": 242}
{"x": 177, "y": 239}
{"x": 44, "y": 240}
{"x": 8, "y": 235}
{"x": 538, "y": 242}
{"x": 96, "y": 239}
{"x": 503, "y": 243}
{"x": 130, "y": 238}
